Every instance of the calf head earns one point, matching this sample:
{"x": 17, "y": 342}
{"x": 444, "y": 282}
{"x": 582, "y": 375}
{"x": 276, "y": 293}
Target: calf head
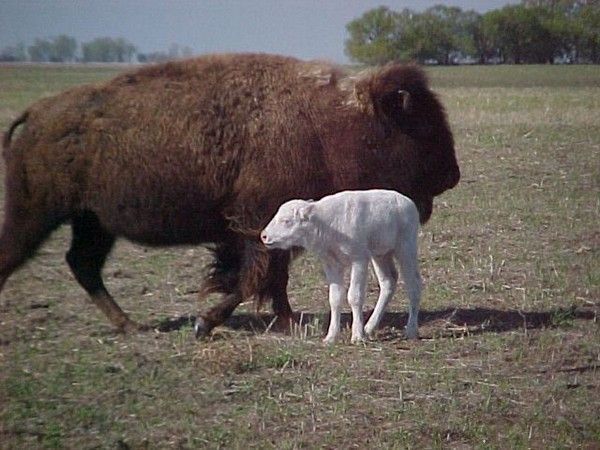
{"x": 289, "y": 227}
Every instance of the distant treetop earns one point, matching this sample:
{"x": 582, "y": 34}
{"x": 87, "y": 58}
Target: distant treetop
{"x": 535, "y": 31}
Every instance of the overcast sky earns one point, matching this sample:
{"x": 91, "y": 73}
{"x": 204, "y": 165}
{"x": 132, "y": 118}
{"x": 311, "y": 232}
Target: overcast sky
{"x": 303, "y": 28}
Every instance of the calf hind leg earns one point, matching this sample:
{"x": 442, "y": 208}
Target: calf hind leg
{"x": 90, "y": 246}
{"x": 408, "y": 259}
{"x": 387, "y": 276}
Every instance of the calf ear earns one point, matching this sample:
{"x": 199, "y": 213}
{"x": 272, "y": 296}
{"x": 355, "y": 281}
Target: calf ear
{"x": 305, "y": 212}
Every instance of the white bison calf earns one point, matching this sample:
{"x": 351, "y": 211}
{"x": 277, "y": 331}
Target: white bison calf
{"x": 349, "y": 229}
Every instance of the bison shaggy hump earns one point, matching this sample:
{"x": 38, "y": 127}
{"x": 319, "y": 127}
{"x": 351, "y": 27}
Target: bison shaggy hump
{"x": 203, "y": 151}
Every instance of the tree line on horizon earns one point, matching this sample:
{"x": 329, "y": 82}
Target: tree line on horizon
{"x": 532, "y": 32}
{"x": 65, "y": 49}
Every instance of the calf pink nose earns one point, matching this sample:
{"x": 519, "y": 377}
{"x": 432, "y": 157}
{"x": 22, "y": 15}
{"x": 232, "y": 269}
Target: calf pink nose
{"x": 263, "y": 237}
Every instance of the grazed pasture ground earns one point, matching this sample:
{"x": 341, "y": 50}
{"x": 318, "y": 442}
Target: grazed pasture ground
{"x": 510, "y": 348}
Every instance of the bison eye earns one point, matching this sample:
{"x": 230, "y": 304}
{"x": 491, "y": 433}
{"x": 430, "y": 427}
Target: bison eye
{"x": 286, "y": 222}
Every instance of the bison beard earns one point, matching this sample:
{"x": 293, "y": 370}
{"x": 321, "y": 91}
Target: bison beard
{"x": 203, "y": 151}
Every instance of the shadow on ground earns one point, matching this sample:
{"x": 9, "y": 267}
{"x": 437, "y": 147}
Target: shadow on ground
{"x": 467, "y": 320}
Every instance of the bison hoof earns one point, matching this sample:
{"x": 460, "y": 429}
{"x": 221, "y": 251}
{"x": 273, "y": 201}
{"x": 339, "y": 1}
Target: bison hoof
{"x": 202, "y": 328}
{"x": 134, "y": 327}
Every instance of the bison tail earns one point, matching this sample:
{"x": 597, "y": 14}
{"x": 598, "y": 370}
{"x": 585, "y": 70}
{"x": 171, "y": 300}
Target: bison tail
{"x": 8, "y": 134}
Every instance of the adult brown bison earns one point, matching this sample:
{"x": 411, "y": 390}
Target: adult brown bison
{"x": 204, "y": 151}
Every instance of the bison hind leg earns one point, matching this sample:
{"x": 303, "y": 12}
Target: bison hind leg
{"x": 22, "y": 233}
{"x": 90, "y": 246}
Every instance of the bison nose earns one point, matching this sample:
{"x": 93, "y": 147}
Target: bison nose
{"x": 453, "y": 177}
{"x": 264, "y": 238}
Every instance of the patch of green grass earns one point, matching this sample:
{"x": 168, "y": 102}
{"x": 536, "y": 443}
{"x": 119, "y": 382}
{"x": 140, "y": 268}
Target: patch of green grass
{"x": 510, "y": 76}
{"x": 23, "y": 84}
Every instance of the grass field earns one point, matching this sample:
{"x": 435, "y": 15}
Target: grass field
{"x": 509, "y": 355}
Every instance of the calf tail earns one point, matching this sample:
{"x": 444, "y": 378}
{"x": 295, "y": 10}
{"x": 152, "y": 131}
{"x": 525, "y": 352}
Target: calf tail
{"x": 8, "y": 134}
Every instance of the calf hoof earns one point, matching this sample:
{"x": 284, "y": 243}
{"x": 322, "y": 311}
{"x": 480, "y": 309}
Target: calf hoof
{"x": 202, "y": 328}
{"x": 357, "y": 339}
{"x": 329, "y": 340}
{"x": 412, "y": 333}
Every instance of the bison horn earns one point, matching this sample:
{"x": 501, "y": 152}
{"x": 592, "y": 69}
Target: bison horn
{"x": 404, "y": 97}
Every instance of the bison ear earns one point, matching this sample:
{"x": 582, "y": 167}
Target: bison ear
{"x": 404, "y": 100}
{"x": 396, "y": 105}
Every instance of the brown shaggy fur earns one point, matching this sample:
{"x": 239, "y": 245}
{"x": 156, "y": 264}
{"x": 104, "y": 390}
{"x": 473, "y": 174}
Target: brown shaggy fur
{"x": 204, "y": 151}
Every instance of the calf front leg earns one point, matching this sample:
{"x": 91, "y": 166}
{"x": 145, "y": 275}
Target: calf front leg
{"x": 335, "y": 278}
{"x": 356, "y": 298}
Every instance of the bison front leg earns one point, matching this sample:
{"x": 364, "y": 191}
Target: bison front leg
{"x": 218, "y": 314}
{"x": 276, "y": 288}
{"x": 223, "y": 278}
{"x": 243, "y": 271}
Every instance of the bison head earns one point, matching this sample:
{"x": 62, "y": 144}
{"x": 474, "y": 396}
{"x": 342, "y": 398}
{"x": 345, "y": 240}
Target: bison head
{"x": 416, "y": 129}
